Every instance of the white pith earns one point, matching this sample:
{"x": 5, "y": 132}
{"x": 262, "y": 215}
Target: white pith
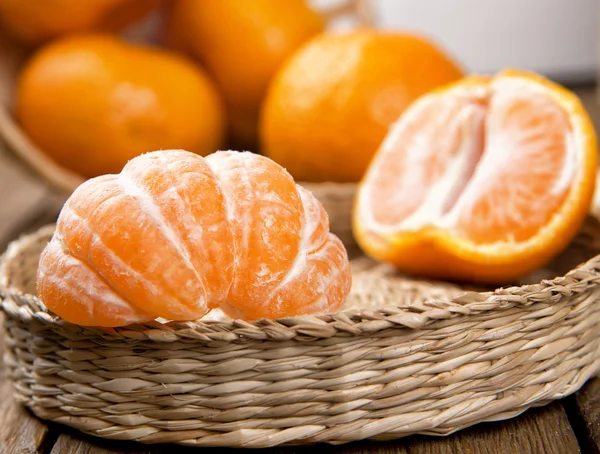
{"x": 430, "y": 212}
{"x": 152, "y": 210}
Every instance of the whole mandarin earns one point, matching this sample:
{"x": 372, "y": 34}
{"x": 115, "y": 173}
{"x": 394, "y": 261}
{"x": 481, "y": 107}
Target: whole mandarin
{"x": 36, "y": 21}
{"x": 241, "y": 44}
{"x": 93, "y": 102}
{"x": 331, "y": 104}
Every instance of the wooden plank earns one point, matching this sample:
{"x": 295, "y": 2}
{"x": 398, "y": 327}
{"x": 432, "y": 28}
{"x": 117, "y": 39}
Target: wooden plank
{"x": 20, "y": 432}
{"x": 74, "y": 444}
{"x": 584, "y": 410}
{"x": 81, "y": 444}
{"x": 540, "y": 430}
{"x": 545, "y": 429}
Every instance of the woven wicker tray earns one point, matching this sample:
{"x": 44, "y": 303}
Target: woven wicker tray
{"x": 405, "y": 356}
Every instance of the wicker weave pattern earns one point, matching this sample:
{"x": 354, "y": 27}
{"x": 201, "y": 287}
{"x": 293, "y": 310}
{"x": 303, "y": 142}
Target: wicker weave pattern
{"x": 421, "y": 358}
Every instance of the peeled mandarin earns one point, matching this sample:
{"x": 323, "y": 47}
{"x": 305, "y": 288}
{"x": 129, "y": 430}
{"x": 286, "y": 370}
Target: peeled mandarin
{"x": 175, "y": 235}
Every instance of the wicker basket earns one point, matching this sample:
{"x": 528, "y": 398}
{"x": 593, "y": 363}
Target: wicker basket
{"x": 404, "y": 356}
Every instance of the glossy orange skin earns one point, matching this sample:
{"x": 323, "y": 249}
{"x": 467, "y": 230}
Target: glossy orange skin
{"x": 92, "y": 102}
{"x": 330, "y": 105}
{"x": 36, "y": 21}
{"x": 175, "y": 235}
{"x": 241, "y": 44}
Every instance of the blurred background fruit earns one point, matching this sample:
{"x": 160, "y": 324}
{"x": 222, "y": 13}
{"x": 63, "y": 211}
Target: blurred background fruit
{"x": 92, "y": 102}
{"x": 331, "y": 104}
{"x": 327, "y": 125}
{"x": 36, "y": 21}
{"x": 242, "y": 44}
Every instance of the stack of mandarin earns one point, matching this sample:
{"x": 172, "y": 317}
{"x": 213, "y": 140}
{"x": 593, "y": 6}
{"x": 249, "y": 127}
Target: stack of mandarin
{"x": 260, "y": 75}
{"x": 471, "y": 178}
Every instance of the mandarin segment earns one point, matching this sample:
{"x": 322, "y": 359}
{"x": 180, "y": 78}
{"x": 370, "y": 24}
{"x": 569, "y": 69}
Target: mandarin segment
{"x": 318, "y": 279}
{"x": 267, "y": 218}
{"x": 484, "y": 180}
{"x": 72, "y": 285}
{"x": 189, "y": 202}
{"x": 174, "y": 235}
{"x": 120, "y": 231}
{"x": 418, "y": 178}
{"x": 526, "y": 169}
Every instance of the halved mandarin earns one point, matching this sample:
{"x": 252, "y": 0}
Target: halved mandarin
{"x": 483, "y": 180}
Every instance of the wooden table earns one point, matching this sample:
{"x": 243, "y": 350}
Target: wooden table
{"x": 568, "y": 426}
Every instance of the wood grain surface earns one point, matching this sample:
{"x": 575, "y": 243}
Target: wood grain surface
{"x": 584, "y": 411}
{"x": 542, "y": 430}
{"x": 20, "y": 432}
{"x": 564, "y": 427}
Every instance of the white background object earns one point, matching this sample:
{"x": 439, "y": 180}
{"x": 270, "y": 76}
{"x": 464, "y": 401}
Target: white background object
{"x": 559, "y": 38}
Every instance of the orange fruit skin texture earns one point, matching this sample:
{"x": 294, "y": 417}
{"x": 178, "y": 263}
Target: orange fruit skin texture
{"x": 92, "y": 102}
{"x": 330, "y": 105}
{"x": 241, "y": 44}
{"x": 469, "y": 253}
{"x": 36, "y": 21}
{"x": 174, "y": 235}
